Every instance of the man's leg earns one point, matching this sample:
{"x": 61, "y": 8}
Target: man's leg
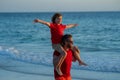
{"x": 76, "y": 53}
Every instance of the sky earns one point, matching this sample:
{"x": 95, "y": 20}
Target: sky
{"x": 58, "y": 5}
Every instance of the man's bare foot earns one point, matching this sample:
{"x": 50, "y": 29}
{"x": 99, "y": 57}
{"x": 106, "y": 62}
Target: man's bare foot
{"x": 59, "y": 71}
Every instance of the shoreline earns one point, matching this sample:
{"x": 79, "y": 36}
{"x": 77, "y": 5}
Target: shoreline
{"x": 76, "y": 75}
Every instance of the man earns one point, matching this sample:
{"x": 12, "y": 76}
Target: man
{"x": 67, "y": 44}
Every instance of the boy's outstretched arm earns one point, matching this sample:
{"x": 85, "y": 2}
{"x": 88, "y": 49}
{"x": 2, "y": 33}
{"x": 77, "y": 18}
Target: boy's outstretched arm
{"x": 71, "y": 25}
{"x": 42, "y": 22}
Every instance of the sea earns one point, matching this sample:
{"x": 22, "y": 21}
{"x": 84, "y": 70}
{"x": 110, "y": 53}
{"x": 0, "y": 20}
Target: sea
{"x": 97, "y": 36}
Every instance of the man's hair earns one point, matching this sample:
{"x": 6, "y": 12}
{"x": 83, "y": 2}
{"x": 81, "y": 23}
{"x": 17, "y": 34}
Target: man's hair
{"x": 55, "y": 16}
{"x": 65, "y": 39}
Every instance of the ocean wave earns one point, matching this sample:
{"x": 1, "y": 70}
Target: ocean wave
{"x": 29, "y": 57}
{"x": 94, "y": 49}
{"x": 108, "y": 62}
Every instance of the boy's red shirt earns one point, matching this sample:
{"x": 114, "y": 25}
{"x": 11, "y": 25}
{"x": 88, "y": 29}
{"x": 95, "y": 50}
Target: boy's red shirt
{"x": 57, "y": 32}
{"x": 66, "y": 65}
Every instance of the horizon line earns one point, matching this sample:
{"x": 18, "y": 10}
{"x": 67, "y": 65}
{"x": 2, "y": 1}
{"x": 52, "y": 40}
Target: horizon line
{"x": 50, "y": 11}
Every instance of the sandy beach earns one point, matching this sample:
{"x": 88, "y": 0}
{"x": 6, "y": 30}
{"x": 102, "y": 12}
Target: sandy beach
{"x": 77, "y": 75}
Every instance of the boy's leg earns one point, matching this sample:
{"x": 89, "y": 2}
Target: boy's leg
{"x": 61, "y": 57}
{"x": 76, "y": 53}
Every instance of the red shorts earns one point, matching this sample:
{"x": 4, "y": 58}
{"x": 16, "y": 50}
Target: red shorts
{"x": 64, "y": 78}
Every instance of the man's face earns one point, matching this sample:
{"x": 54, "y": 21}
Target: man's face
{"x": 69, "y": 43}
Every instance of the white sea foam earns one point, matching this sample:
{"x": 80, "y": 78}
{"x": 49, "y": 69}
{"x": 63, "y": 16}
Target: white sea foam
{"x": 102, "y": 63}
{"x": 1, "y": 48}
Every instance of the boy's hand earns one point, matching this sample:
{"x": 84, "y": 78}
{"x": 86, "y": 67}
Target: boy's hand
{"x": 36, "y": 20}
{"x": 75, "y": 25}
{"x": 82, "y": 63}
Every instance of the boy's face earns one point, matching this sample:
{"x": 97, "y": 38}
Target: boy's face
{"x": 58, "y": 20}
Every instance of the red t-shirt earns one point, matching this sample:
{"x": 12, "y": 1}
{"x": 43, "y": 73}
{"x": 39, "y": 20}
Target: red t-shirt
{"x": 66, "y": 65}
{"x": 57, "y": 32}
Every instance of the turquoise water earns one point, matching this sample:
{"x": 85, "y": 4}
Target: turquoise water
{"x": 97, "y": 36}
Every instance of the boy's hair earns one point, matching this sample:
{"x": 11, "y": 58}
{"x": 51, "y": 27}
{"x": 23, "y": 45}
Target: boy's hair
{"x": 55, "y": 16}
{"x": 65, "y": 38}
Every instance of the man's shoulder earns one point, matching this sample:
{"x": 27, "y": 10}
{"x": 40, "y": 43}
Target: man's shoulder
{"x": 57, "y": 53}
{"x": 70, "y": 50}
